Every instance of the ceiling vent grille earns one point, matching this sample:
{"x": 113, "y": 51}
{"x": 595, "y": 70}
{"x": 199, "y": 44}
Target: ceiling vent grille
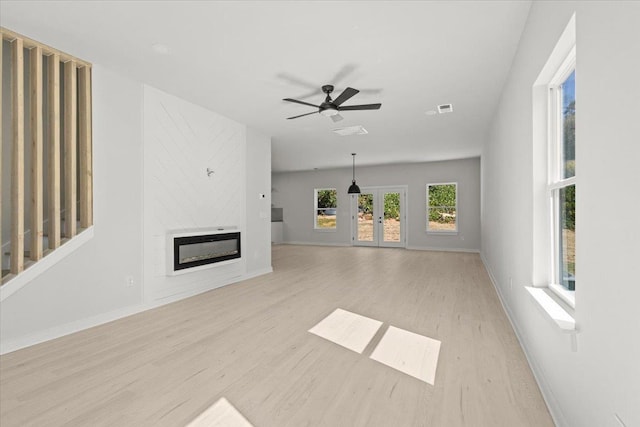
{"x": 445, "y": 108}
{"x": 351, "y": 130}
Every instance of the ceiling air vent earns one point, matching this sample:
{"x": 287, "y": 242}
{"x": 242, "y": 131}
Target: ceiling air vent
{"x": 445, "y": 108}
{"x": 351, "y": 130}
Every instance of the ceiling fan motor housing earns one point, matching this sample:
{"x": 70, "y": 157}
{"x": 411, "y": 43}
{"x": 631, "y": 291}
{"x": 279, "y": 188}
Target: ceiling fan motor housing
{"x": 327, "y": 89}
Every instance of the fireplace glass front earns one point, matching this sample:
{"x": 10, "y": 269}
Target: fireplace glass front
{"x": 193, "y": 251}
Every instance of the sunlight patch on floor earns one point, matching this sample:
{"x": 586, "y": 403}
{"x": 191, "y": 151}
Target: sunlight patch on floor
{"x": 347, "y": 329}
{"x": 413, "y": 354}
{"x": 220, "y": 414}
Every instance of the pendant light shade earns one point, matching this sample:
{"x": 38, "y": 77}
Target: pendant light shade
{"x": 354, "y": 189}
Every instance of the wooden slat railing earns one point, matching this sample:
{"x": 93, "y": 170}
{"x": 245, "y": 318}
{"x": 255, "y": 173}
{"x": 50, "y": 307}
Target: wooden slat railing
{"x": 69, "y": 181}
{"x": 17, "y": 164}
{"x": 53, "y": 179}
{"x": 35, "y": 75}
{"x": 70, "y": 123}
{"x": 85, "y": 164}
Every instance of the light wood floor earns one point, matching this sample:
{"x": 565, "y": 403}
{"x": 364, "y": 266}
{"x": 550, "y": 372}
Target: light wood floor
{"x": 248, "y": 342}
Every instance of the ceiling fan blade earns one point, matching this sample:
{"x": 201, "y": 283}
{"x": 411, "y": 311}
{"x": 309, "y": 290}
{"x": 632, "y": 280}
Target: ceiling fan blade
{"x": 301, "y": 115}
{"x": 342, "y": 73}
{"x": 345, "y": 95}
{"x": 336, "y": 118}
{"x": 360, "y": 107}
{"x": 297, "y": 81}
{"x": 300, "y": 102}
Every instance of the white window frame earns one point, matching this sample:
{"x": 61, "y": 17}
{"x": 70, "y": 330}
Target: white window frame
{"x": 555, "y": 182}
{"x": 428, "y": 206}
{"x": 316, "y": 209}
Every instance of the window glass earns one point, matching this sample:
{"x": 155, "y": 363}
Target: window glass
{"x": 567, "y": 244}
{"x": 562, "y": 160}
{"x": 568, "y": 95}
{"x": 442, "y": 209}
{"x": 326, "y": 208}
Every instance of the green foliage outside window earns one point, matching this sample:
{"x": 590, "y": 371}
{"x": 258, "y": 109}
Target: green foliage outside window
{"x": 327, "y": 198}
{"x": 442, "y": 203}
{"x": 327, "y": 202}
{"x": 392, "y": 205}
{"x": 569, "y": 153}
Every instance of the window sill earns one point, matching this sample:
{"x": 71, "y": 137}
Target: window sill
{"x": 444, "y": 233}
{"x": 566, "y": 295}
{"x": 326, "y": 230}
{"x": 552, "y": 309}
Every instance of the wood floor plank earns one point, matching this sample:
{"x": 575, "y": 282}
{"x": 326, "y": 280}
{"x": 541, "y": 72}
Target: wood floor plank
{"x": 249, "y": 343}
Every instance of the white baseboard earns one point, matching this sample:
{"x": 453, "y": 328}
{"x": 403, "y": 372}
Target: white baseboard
{"x": 68, "y": 328}
{"x": 29, "y": 340}
{"x": 438, "y": 249}
{"x": 545, "y": 390}
{"x": 316, "y": 244}
{"x": 261, "y": 272}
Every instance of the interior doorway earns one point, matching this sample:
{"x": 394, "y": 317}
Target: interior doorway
{"x": 379, "y": 217}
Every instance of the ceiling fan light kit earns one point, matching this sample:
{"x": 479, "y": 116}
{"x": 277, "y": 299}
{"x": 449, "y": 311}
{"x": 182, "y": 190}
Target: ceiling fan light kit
{"x": 332, "y": 107}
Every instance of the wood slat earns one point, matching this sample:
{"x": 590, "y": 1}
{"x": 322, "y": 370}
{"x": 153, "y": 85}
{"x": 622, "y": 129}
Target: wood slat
{"x": 85, "y": 149}
{"x": 36, "y": 88}
{"x": 1, "y": 128}
{"x": 47, "y": 50}
{"x": 17, "y": 184}
{"x": 53, "y": 179}
{"x": 70, "y": 146}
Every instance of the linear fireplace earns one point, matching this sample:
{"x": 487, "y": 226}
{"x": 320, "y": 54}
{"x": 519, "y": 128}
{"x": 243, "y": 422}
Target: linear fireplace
{"x": 199, "y": 249}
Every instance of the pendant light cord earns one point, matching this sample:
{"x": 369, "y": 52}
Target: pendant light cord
{"x": 354, "y": 167}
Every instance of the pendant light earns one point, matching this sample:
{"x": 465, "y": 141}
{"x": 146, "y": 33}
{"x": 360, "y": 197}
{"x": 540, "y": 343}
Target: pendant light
{"x": 354, "y": 189}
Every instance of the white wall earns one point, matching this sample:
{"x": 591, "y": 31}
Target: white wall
{"x": 88, "y": 287}
{"x": 91, "y": 280}
{"x": 587, "y": 387}
{"x": 294, "y": 192}
{"x": 258, "y": 243}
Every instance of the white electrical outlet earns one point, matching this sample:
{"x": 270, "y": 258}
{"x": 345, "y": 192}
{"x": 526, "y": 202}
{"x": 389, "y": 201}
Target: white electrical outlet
{"x": 129, "y": 282}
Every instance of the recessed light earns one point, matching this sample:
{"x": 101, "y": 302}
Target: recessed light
{"x": 351, "y": 130}
{"x": 445, "y": 108}
{"x": 160, "y": 49}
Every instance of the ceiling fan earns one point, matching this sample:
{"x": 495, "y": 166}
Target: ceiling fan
{"x": 331, "y": 108}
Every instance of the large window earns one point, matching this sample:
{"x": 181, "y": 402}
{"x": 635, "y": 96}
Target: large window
{"x": 325, "y": 208}
{"x": 562, "y": 175}
{"x": 442, "y": 207}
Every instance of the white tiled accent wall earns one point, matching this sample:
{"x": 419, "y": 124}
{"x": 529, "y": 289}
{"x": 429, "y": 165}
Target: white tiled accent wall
{"x": 182, "y": 140}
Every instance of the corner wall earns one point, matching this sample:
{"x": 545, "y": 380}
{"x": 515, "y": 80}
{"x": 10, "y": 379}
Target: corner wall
{"x": 294, "y": 192}
{"x": 601, "y": 380}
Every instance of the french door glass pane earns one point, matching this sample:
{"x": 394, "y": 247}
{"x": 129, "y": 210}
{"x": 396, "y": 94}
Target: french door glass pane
{"x": 567, "y": 244}
{"x": 365, "y": 217}
{"x": 391, "y": 217}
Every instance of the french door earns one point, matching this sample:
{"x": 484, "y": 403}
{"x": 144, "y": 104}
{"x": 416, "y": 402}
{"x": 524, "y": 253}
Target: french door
{"x": 379, "y": 215}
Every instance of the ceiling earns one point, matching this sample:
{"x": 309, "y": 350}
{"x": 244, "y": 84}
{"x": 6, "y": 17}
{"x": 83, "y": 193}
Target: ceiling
{"x": 241, "y": 58}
